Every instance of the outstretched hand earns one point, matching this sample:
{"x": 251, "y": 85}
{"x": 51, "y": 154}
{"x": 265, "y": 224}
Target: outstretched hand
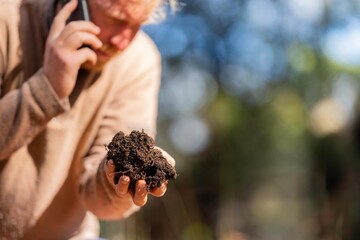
{"x": 140, "y": 195}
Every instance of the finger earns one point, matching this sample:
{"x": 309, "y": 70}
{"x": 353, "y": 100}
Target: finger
{"x": 122, "y": 187}
{"x": 140, "y": 196}
{"x": 79, "y": 26}
{"x": 60, "y": 19}
{"x": 169, "y": 158}
{"x": 160, "y": 191}
{"x": 85, "y": 54}
{"x": 109, "y": 170}
{"x": 78, "y": 39}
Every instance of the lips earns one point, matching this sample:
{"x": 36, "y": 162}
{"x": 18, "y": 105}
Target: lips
{"x": 103, "y": 56}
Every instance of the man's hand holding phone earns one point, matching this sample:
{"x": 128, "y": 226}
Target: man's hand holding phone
{"x": 64, "y": 54}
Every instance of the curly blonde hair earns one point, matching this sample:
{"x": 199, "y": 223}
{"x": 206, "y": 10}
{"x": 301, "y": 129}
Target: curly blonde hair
{"x": 160, "y": 11}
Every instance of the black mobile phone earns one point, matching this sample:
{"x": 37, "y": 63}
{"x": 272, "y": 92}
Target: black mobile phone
{"x": 80, "y": 13}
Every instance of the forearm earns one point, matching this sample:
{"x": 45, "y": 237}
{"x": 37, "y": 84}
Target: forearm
{"x": 25, "y": 112}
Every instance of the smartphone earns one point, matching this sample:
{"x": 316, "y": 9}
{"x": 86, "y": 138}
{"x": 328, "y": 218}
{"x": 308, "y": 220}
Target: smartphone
{"x": 80, "y": 13}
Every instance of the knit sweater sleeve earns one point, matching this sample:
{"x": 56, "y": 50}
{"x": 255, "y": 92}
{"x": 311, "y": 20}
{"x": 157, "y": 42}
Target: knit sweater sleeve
{"x": 24, "y": 111}
{"x": 134, "y": 107}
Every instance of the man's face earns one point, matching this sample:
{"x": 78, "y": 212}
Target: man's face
{"x": 119, "y": 21}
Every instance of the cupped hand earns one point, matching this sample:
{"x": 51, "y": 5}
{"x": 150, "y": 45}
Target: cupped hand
{"x": 63, "y": 53}
{"x": 140, "y": 196}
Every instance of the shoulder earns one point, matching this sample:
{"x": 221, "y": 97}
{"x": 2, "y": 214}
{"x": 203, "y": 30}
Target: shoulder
{"x": 9, "y": 9}
{"x": 9, "y": 16}
{"x": 141, "y": 56}
{"x": 9, "y": 21}
{"x": 142, "y": 39}
{"x": 143, "y": 49}
{"x": 140, "y": 62}
{"x": 7, "y": 3}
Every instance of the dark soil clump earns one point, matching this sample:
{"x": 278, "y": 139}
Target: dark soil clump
{"x": 135, "y": 156}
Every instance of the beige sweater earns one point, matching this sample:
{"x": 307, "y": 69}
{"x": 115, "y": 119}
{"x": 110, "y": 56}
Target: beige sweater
{"x": 51, "y": 150}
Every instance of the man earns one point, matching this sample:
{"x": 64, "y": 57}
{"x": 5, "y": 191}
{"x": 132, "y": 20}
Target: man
{"x": 61, "y": 103}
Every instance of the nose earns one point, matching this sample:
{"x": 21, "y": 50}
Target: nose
{"x": 123, "y": 38}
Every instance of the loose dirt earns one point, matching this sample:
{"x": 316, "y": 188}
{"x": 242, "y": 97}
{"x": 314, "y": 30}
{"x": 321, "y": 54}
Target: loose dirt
{"x": 135, "y": 156}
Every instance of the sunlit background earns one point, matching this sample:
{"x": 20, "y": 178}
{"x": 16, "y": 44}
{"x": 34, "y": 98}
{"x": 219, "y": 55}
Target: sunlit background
{"x": 259, "y": 106}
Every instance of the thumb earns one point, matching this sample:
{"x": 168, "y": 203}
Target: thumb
{"x": 169, "y": 158}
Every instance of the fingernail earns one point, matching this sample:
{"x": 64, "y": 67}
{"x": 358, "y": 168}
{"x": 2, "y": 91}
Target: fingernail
{"x": 125, "y": 180}
{"x": 142, "y": 189}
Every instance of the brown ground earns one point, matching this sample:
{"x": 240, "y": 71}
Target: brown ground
{"x": 135, "y": 156}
